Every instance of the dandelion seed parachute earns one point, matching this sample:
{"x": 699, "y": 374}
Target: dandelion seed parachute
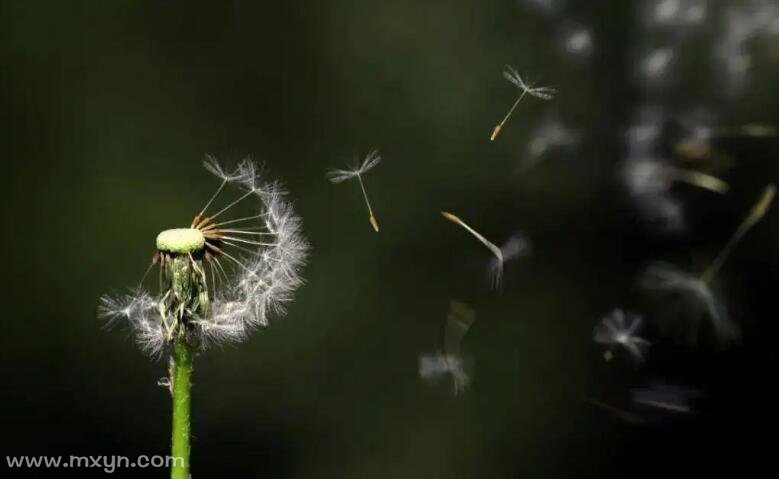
{"x": 338, "y": 176}
{"x": 432, "y": 367}
{"x": 517, "y": 245}
{"x": 690, "y": 303}
{"x": 620, "y": 328}
{"x": 248, "y": 272}
{"x": 541, "y": 92}
{"x": 696, "y": 301}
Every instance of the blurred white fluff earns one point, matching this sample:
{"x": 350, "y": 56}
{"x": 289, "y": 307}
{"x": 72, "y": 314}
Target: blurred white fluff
{"x": 550, "y": 135}
{"x": 434, "y": 367}
{"x": 139, "y": 308}
{"x": 667, "y": 397}
{"x": 677, "y": 13}
{"x": 620, "y": 328}
{"x": 744, "y": 22}
{"x": 655, "y": 64}
{"x": 517, "y": 245}
{"x": 690, "y": 305}
{"x": 577, "y": 41}
{"x": 260, "y": 284}
{"x": 548, "y": 6}
{"x": 648, "y": 185}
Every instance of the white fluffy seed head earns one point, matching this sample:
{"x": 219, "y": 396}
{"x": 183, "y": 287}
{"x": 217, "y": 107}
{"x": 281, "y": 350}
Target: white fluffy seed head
{"x": 257, "y": 282}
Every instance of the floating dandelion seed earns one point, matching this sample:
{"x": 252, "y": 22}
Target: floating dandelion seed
{"x": 699, "y": 133}
{"x": 697, "y": 301}
{"x": 338, "y": 176}
{"x": 451, "y": 362}
{"x": 544, "y": 93}
{"x": 652, "y": 177}
{"x": 514, "y": 247}
{"x": 218, "y": 279}
{"x": 666, "y": 397}
{"x": 620, "y": 328}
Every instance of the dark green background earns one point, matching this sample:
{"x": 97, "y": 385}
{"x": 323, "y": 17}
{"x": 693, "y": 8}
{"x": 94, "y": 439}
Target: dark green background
{"x": 108, "y": 108}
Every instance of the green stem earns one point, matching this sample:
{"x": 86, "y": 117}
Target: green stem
{"x": 182, "y": 372}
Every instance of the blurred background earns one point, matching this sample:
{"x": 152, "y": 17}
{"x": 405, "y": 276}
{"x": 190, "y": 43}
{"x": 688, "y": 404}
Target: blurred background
{"x": 108, "y": 109}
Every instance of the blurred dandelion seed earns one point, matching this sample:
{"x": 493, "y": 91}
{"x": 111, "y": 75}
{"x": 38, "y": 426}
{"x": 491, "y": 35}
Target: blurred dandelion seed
{"x": 514, "y": 247}
{"x": 667, "y": 397}
{"x": 338, "y": 176}
{"x": 654, "y": 177}
{"x": 699, "y": 301}
{"x": 541, "y": 92}
{"x": 620, "y": 328}
{"x": 451, "y": 362}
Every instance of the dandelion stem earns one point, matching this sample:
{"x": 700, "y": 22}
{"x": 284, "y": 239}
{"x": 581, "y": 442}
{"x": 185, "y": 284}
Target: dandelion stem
{"x": 182, "y": 372}
{"x": 506, "y": 118}
{"x": 372, "y": 218}
{"x": 754, "y": 216}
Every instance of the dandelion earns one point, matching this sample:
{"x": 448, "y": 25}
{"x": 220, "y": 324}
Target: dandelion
{"x": 338, "y": 176}
{"x": 513, "y": 248}
{"x": 544, "y": 93}
{"x": 451, "y": 362}
{"x": 695, "y": 298}
{"x": 620, "y": 329}
{"x": 219, "y": 279}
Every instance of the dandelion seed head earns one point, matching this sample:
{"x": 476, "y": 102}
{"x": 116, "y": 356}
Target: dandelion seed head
{"x": 254, "y": 270}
